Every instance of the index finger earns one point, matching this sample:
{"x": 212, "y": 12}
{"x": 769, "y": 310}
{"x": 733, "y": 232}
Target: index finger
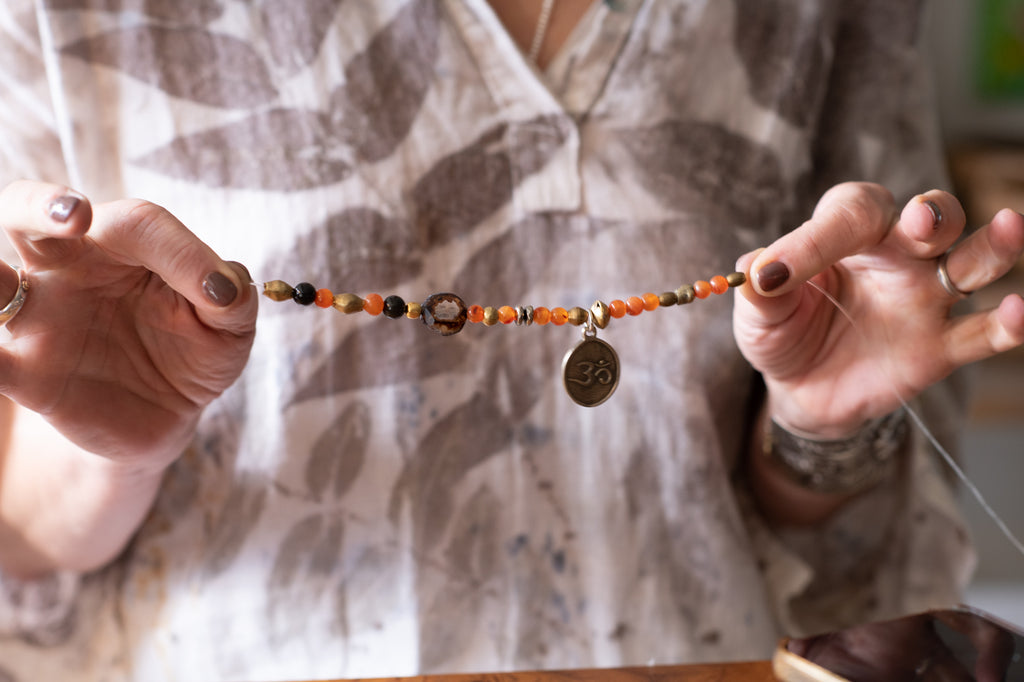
{"x": 140, "y": 233}
{"x": 849, "y": 218}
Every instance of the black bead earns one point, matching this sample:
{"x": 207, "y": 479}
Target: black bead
{"x": 304, "y": 293}
{"x": 394, "y": 306}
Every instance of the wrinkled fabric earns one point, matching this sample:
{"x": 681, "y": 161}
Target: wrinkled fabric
{"x": 371, "y": 499}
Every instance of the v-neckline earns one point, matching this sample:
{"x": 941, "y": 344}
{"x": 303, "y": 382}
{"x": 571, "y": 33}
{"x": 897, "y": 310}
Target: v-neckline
{"x": 576, "y": 75}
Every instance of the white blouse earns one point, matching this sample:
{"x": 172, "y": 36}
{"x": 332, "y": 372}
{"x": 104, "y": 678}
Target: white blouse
{"x": 372, "y": 499}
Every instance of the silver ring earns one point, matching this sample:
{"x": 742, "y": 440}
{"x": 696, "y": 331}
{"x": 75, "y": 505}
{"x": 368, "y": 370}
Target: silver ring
{"x": 8, "y": 312}
{"x": 945, "y": 280}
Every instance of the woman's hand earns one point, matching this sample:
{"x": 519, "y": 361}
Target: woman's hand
{"x": 131, "y": 325}
{"x": 827, "y": 378}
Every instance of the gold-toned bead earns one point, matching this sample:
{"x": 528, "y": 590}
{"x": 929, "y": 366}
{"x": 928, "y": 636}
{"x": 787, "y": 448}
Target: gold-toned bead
{"x": 668, "y": 298}
{"x": 413, "y": 310}
{"x": 735, "y": 279}
{"x": 348, "y": 303}
{"x": 685, "y": 294}
{"x": 578, "y": 316}
{"x": 277, "y": 290}
{"x": 600, "y": 314}
{"x": 490, "y": 316}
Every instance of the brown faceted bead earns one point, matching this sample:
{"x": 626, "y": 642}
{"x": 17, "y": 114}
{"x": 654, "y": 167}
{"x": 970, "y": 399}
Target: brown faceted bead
{"x": 668, "y": 298}
{"x": 444, "y": 313}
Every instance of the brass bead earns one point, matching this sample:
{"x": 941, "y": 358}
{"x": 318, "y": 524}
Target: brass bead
{"x": 348, "y": 303}
{"x": 735, "y": 279}
{"x": 490, "y": 316}
{"x": 685, "y": 294}
{"x": 277, "y": 290}
{"x": 578, "y": 316}
{"x": 600, "y": 314}
{"x": 668, "y": 298}
{"x": 413, "y": 310}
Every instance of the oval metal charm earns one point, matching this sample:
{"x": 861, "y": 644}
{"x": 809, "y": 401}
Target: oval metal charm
{"x": 590, "y": 371}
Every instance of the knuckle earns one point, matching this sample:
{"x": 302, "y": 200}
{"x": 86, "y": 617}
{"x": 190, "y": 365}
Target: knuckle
{"x": 152, "y": 228}
{"x": 862, "y": 208}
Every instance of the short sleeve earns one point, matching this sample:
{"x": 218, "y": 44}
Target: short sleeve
{"x": 903, "y": 546}
{"x": 37, "y": 609}
{"x": 30, "y": 145}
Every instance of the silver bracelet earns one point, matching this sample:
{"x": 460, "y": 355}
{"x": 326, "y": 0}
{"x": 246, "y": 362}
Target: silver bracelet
{"x": 844, "y": 466}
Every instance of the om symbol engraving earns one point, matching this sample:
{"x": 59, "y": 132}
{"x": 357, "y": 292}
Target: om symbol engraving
{"x": 590, "y": 372}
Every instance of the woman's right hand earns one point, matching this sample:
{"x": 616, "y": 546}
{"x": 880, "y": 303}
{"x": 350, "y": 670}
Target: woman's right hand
{"x": 130, "y": 327}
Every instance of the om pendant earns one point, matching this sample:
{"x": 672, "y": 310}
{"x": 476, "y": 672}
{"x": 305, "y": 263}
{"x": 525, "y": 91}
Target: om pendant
{"x": 590, "y": 371}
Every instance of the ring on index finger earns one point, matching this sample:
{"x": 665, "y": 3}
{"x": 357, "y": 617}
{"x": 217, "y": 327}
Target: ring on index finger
{"x": 8, "y": 312}
{"x": 946, "y": 281}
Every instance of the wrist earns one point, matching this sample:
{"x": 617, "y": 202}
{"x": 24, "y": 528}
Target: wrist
{"x": 843, "y": 465}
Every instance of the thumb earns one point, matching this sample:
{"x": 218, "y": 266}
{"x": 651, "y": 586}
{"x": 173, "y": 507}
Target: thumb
{"x": 229, "y": 289}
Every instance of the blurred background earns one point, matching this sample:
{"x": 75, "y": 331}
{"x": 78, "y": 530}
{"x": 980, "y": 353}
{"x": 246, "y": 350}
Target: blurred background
{"x": 976, "y": 48}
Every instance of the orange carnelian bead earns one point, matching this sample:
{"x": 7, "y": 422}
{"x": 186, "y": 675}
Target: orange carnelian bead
{"x": 324, "y": 298}
{"x": 617, "y": 308}
{"x": 475, "y": 313}
{"x": 541, "y": 315}
{"x": 559, "y": 316}
{"x": 373, "y": 304}
{"x": 507, "y": 314}
{"x": 701, "y": 289}
{"x": 651, "y": 301}
{"x": 719, "y": 284}
{"x": 634, "y": 305}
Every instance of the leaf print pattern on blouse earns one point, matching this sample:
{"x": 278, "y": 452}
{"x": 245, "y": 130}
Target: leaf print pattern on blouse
{"x": 700, "y": 166}
{"x": 386, "y": 84}
{"x": 189, "y": 63}
{"x": 283, "y": 149}
{"x": 295, "y": 30}
{"x": 472, "y": 557}
{"x": 785, "y": 61}
{"x": 403, "y": 351}
{"x": 278, "y": 149}
{"x": 463, "y": 439}
{"x": 374, "y": 251}
{"x": 237, "y": 517}
{"x": 339, "y": 453}
{"x": 302, "y": 575}
{"x": 190, "y": 12}
{"x": 467, "y": 186}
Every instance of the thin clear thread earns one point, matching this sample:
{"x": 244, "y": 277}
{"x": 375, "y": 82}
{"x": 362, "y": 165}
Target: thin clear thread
{"x": 950, "y": 462}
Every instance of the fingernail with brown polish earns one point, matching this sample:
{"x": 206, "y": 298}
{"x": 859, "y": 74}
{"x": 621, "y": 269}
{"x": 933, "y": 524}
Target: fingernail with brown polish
{"x": 772, "y": 276}
{"x": 61, "y": 208}
{"x": 219, "y": 289}
{"x": 936, "y": 212}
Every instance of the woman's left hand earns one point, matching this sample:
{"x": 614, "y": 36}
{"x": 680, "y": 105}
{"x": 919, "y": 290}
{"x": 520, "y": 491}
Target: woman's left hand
{"x": 828, "y": 377}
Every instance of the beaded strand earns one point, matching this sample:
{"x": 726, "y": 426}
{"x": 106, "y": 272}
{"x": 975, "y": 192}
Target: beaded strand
{"x": 446, "y": 313}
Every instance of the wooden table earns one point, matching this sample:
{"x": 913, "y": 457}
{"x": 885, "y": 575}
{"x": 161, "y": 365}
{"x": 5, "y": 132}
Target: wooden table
{"x": 758, "y": 671}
